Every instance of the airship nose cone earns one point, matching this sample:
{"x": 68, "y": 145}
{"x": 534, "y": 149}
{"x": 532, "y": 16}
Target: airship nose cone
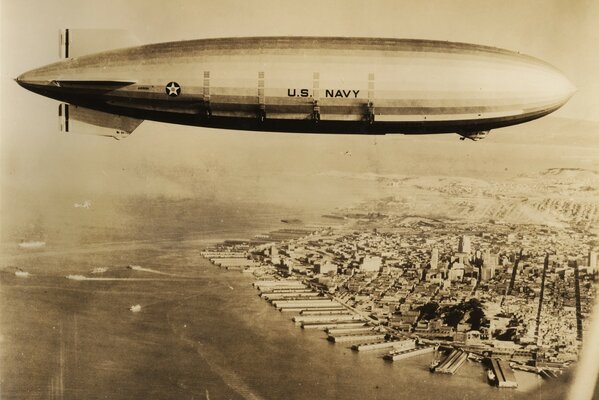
{"x": 27, "y": 80}
{"x": 21, "y": 79}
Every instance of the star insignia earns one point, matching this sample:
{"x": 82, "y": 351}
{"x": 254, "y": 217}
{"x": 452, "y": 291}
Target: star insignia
{"x": 173, "y": 89}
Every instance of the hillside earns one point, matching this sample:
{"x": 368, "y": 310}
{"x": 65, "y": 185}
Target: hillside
{"x": 554, "y": 197}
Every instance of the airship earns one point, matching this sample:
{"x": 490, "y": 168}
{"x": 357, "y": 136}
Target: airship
{"x": 328, "y": 85}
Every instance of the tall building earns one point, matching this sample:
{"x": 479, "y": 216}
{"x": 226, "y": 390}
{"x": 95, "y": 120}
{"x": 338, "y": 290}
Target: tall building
{"x": 593, "y": 260}
{"x": 464, "y": 245}
{"x": 435, "y": 258}
{"x": 325, "y": 267}
{"x": 489, "y": 265}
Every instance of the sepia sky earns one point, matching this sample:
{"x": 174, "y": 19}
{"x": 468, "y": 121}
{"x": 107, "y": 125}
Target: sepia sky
{"x": 159, "y": 158}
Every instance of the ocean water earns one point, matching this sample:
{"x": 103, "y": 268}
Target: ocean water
{"x": 202, "y": 333}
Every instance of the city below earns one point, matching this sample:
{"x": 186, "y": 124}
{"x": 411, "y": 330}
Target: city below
{"x": 508, "y": 296}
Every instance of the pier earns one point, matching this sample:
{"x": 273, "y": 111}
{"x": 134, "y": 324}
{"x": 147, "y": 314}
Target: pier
{"x": 397, "y": 355}
{"x": 395, "y": 345}
{"x": 288, "y": 295}
{"x": 319, "y": 312}
{"x": 334, "y": 325}
{"x": 322, "y": 303}
{"x": 300, "y": 310}
{"x": 504, "y": 375}
{"x": 316, "y": 319}
{"x": 349, "y": 331}
{"x": 452, "y": 362}
{"x": 286, "y": 290}
{"x": 264, "y": 286}
{"x": 356, "y": 338}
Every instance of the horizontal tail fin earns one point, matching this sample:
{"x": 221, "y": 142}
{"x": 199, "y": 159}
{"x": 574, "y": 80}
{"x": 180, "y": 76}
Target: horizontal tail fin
{"x": 75, "y": 119}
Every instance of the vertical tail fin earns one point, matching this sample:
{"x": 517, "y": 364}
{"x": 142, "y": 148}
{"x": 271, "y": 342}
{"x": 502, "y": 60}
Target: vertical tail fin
{"x": 75, "y": 119}
{"x": 79, "y": 42}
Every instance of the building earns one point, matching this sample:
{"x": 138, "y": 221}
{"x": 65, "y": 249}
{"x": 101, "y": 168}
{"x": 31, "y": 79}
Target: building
{"x": 325, "y": 267}
{"x": 456, "y": 273}
{"x": 489, "y": 265}
{"x": 464, "y": 245}
{"x": 593, "y": 261}
{"x": 371, "y": 264}
{"x": 435, "y": 258}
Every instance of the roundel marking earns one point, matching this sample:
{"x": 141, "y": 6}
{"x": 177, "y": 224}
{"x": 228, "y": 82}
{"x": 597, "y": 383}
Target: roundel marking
{"x": 173, "y": 89}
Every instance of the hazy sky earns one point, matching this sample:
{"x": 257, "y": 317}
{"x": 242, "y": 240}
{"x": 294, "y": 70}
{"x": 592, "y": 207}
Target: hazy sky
{"x": 160, "y": 158}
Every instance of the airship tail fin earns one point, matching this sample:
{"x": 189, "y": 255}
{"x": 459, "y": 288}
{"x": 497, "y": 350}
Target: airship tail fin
{"x": 79, "y": 42}
{"x": 76, "y": 119}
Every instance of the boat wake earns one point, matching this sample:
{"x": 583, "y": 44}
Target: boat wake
{"x": 211, "y": 358}
{"x": 86, "y": 278}
{"x": 154, "y": 271}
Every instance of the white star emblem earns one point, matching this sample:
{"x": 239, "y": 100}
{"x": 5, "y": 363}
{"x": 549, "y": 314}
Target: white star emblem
{"x": 173, "y": 89}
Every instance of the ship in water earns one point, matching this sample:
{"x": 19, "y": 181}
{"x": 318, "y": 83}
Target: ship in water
{"x": 437, "y": 356}
{"x": 32, "y": 244}
{"x": 76, "y": 277}
{"x": 22, "y": 274}
{"x": 135, "y": 308}
{"x": 291, "y": 221}
{"x": 491, "y": 377}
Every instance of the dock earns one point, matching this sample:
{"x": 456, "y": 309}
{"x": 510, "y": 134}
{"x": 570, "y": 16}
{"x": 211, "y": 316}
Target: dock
{"x": 504, "y": 375}
{"x": 349, "y": 331}
{"x": 318, "y": 319}
{"x": 288, "y": 295}
{"x": 334, "y": 325}
{"x": 356, "y": 338}
{"x": 234, "y": 262}
{"x": 325, "y": 312}
{"x": 282, "y": 284}
{"x": 299, "y": 310}
{"x": 394, "y": 344}
{"x": 323, "y": 303}
{"x": 284, "y": 290}
{"x": 397, "y": 355}
{"x": 452, "y": 362}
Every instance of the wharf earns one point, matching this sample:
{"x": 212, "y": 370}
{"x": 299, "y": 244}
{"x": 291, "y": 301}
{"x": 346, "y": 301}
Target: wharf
{"x": 349, "y": 331}
{"x": 272, "y": 285}
{"x": 286, "y": 290}
{"x": 319, "y": 312}
{"x": 452, "y": 362}
{"x": 334, "y": 325}
{"x": 289, "y": 296}
{"x": 548, "y": 374}
{"x": 323, "y": 303}
{"x": 317, "y": 319}
{"x": 234, "y": 262}
{"x": 223, "y": 254}
{"x": 408, "y": 353}
{"x": 504, "y": 375}
{"x": 299, "y": 310}
{"x": 356, "y": 338}
{"x": 294, "y": 296}
{"x": 395, "y": 344}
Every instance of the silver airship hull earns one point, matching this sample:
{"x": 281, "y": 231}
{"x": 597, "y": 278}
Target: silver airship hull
{"x": 311, "y": 84}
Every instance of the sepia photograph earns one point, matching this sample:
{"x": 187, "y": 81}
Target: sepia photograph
{"x": 385, "y": 199}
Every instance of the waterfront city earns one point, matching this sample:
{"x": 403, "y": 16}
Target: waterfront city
{"x": 506, "y": 295}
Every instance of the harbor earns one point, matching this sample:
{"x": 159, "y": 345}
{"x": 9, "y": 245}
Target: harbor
{"x": 312, "y": 308}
